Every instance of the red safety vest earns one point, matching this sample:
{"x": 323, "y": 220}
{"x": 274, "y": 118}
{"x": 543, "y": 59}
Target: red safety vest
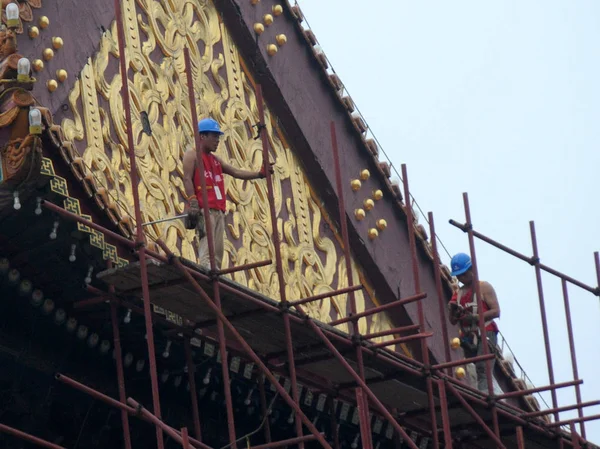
{"x": 215, "y": 184}
{"x": 469, "y": 302}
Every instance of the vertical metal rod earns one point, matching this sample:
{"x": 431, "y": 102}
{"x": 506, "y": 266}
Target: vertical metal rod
{"x": 520, "y": 438}
{"x": 420, "y": 311}
{"x": 120, "y": 374}
{"x": 597, "y": 262}
{"x": 445, "y": 415}
{"x": 335, "y": 435}
{"x": 540, "y": 288}
{"x": 438, "y": 287}
{"x": 211, "y": 253}
{"x": 185, "y": 438}
{"x": 243, "y": 343}
{"x": 573, "y": 355}
{"x": 119, "y": 363}
{"x": 363, "y": 415}
{"x": 278, "y": 259}
{"x": 140, "y": 240}
{"x": 366, "y": 437}
{"x": 483, "y": 333}
{"x": 263, "y": 407}
{"x": 191, "y": 367}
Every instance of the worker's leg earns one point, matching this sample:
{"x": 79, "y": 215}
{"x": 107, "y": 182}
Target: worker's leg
{"x": 217, "y": 226}
{"x": 471, "y": 369}
{"x": 482, "y": 383}
{"x": 218, "y": 218}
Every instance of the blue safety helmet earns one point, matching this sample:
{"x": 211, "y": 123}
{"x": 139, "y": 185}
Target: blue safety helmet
{"x": 208, "y": 125}
{"x": 460, "y": 263}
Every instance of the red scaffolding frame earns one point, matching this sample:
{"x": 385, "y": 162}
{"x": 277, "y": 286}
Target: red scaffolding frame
{"x": 436, "y": 377}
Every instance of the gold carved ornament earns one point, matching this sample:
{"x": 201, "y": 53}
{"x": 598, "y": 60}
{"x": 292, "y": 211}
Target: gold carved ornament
{"x": 157, "y": 32}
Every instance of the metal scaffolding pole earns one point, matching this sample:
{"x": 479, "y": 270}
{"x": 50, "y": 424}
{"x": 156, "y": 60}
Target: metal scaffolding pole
{"x": 438, "y": 287}
{"x": 483, "y": 334}
{"x": 262, "y": 127}
{"x": 191, "y": 369}
{"x": 365, "y": 425}
{"x": 476, "y": 417}
{"x": 466, "y": 227}
{"x": 420, "y": 312}
{"x": 264, "y": 408}
{"x": 140, "y": 241}
{"x": 211, "y": 251}
{"x": 249, "y": 351}
{"x": 335, "y": 434}
{"x": 538, "y": 276}
{"x": 405, "y": 364}
{"x": 134, "y": 410}
{"x": 119, "y": 363}
{"x": 29, "y": 438}
{"x": 520, "y": 438}
{"x": 120, "y": 374}
{"x": 445, "y": 415}
{"x": 574, "y": 367}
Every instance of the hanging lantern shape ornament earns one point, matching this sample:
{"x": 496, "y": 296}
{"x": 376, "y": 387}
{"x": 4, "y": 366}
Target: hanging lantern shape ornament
{"x": 23, "y": 69}
{"x": 12, "y": 15}
{"x": 35, "y": 121}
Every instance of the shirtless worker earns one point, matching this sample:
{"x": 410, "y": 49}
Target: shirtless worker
{"x": 463, "y": 310}
{"x": 210, "y": 134}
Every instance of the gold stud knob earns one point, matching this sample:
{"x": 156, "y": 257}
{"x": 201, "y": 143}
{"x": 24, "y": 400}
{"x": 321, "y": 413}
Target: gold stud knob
{"x": 61, "y": 75}
{"x": 369, "y": 204}
{"x": 44, "y": 22}
{"x": 271, "y": 49}
{"x": 373, "y": 233}
{"x": 381, "y": 224}
{"x": 259, "y": 28}
{"x": 460, "y": 372}
{"x": 57, "y": 42}
{"x": 52, "y": 85}
{"x": 38, "y": 65}
{"x": 360, "y": 214}
{"x": 281, "y": 39}
{"x": 377, "y": 195}
{"x": 355, "y": 184}
{"x": 365, "y": 174}
{"x": 33, "y": 32}
{"x": 48, "y": 54}
{"x": 268, "y": 19}
{"x": 455, "y": 343}
{"x": 277, "y": 10}
{"x": 254, "y": 2}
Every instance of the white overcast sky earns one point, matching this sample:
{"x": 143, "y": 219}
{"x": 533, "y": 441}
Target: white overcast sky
{"x": 502, "y": 100}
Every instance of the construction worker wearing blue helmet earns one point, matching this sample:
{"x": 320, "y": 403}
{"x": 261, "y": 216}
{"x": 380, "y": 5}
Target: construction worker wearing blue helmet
{"x": 214, "y": 168}
{"x": 464, "y": 312}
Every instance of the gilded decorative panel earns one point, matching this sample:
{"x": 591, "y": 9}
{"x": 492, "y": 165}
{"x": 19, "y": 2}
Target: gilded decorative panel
{"x": 157, "y": 31}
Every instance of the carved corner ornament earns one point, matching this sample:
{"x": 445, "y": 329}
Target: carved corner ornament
{"x": 20, "y": 145}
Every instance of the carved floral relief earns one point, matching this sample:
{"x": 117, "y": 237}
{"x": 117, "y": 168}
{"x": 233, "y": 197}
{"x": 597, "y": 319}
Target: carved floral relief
{"x": 156, "y": 33}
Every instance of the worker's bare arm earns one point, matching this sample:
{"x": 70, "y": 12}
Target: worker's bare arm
{"x": 189, "y": 162}
{"x": 491, "y": 299}
{"x": 238, "y": 173}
